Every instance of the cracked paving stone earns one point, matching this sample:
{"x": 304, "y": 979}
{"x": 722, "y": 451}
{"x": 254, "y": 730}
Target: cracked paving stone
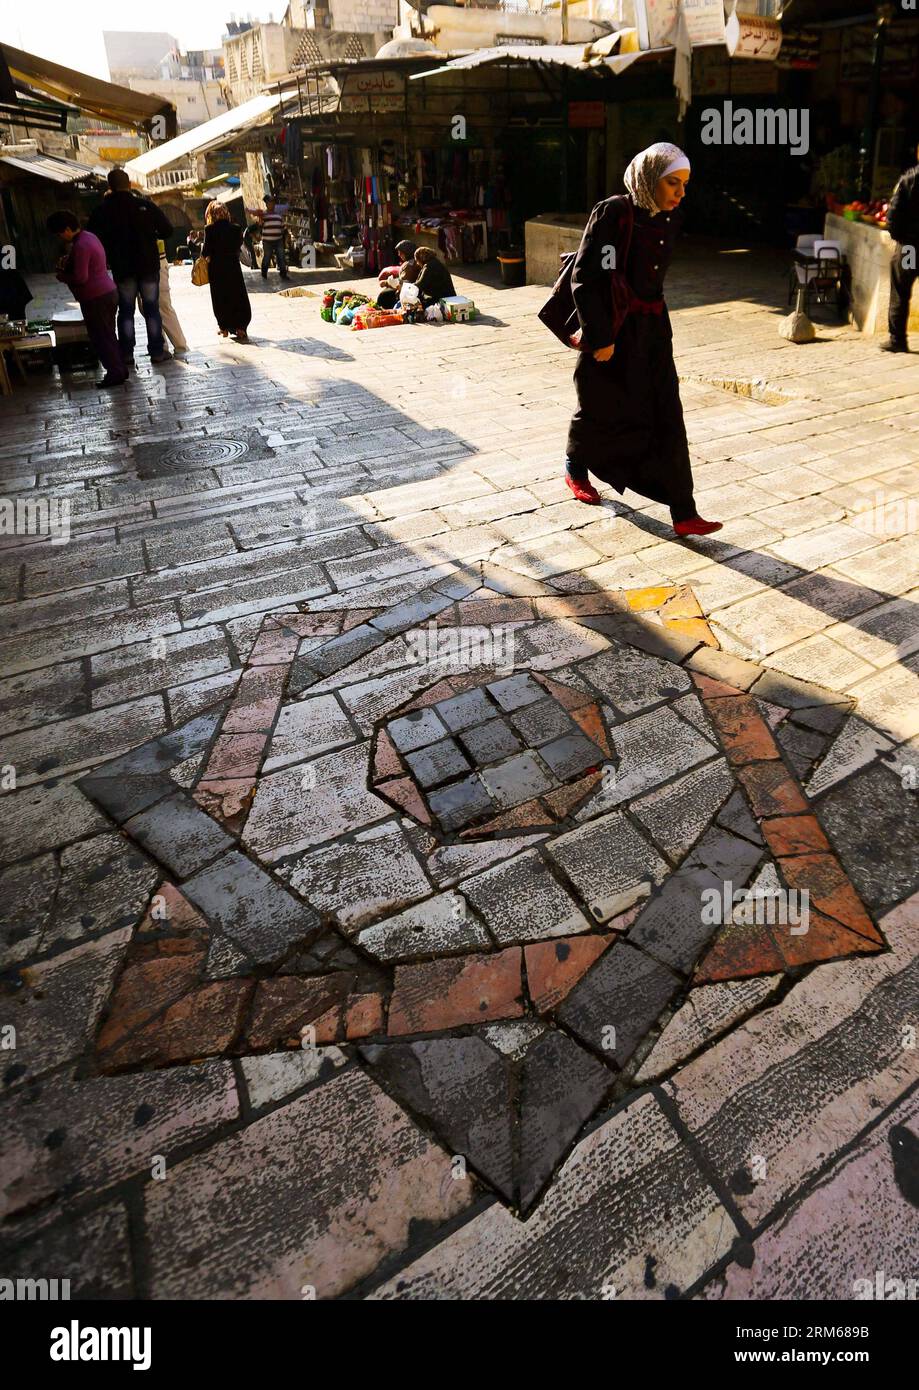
{"x": 178, "y": 834}
{"x": 461, "y": 1086}
{"x": 518, "y": 779}
{"x": 632, "y": 680}
{"x": 106, "y": 1130}
{"x": 125, "y": 796}
{"x": 335, "y": 1182}
{"x": 520, "y": 900}
{"x": 461, "y": 802}
{"x": 93, "y": 1253}
{"x": 440, "y": 925}
{"x": 676, "y": 815}
{"x": 516, "y": 691}
{"x": 437, "y": 763}
{"x": 541, "y": 722}
{"x": 618, "y": 1002}
{"x": 709, "y": 1011}
{"x": 307, "y": 728}
{"x": 487, "y": 742}
{"x": 442, "y": 994}
{"x": 650, "y": 748}
{"x": 610, "y": 865}
{"x": 45, "y": 817}
{"x": 290, "y": 814}
{"x": 274, "y": 1075}
{"x": 561, "y": 1086}
{"x": 105, "y": 883}
{"x": 873, "y": 820}
{"x": 359, "y": 881}
{"x": 629, "y": 1200}
{"x": 676, "y": 925}
{"x": 856, "y": 745}
{"x": 568, "y": 756}
{"x": 56, "y": 1010}
{"x": 27, "y": 895}
{"x": 464, "y": 710}
{"x": 250, "y": 907}
{"x": 416, "y": 729}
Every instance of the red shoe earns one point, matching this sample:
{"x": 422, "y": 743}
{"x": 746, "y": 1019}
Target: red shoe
{"x": 696, "y": 527}
{"x": 584, "y": 492}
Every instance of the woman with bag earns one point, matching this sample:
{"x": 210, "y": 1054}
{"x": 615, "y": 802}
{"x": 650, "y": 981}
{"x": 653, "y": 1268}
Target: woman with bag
{"x": 229, "y": 296}
{"x": 628, "y": 428}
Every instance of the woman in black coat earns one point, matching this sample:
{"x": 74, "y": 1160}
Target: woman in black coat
{"x": 229, "y": 296}
{"x": 628, "y": 428}
{"x": 434, "y": 281}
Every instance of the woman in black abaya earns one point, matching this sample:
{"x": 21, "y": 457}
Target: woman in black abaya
{"x": 628, "y": 428}
{"x": 229, "y": 296}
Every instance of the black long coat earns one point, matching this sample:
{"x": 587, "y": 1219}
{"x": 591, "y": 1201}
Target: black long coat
{"x": 229, "y": 296}
{"x": 628, "y": 428}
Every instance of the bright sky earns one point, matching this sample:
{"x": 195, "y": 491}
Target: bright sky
{"x": 70, "y": 33}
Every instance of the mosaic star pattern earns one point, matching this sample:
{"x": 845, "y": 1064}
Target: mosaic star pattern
{"x": 505, "y": 920}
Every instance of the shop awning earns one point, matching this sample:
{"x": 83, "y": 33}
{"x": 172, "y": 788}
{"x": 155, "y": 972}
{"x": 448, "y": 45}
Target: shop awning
{"x": 568, "y": 55}
{"x": 103, "y": 99}
{"x": 204, "y": 137}
{"x": 49, "y": 166}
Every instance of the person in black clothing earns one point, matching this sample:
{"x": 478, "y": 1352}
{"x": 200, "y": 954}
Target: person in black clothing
{"x": 14, "y": 294}
{"x": 434, "y": 281}
{"x": 229, "y": 296}
{"x": 129, "y": 227}
{"x": 628, "y": 428}
{"x": 903, "y": 226}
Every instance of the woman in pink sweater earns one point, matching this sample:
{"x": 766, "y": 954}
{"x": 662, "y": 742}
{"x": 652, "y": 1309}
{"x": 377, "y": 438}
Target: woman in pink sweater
{"x": 84, "y": 271}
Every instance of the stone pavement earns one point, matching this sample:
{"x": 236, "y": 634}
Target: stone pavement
{"x": 363, "y": 793}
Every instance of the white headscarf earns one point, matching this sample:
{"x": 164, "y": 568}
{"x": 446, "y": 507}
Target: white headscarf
{"x": 648, "y": 168}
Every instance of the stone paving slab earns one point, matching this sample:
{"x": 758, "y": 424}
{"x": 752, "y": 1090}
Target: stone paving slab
{"x": 378, "y": 889}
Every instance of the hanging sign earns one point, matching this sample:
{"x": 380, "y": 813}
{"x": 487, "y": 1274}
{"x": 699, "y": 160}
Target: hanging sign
{"x": 586, "y": 115}
{"x": 750, "y": 36}
{"x": 704, "y": 21}
{"x": 656, "y": 21}
{"x": 372, "y": 91}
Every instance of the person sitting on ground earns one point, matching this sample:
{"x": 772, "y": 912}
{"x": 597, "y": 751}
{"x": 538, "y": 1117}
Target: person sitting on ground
{"x": 389, "y": 275}
{"x": 434, "y": 281}
{"x": 389, "y": 298}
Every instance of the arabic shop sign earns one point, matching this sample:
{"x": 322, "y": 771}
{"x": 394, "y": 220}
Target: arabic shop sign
{"x": 372, "y": 91}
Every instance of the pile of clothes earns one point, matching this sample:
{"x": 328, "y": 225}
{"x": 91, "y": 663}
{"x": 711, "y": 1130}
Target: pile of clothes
{"x": 340, "y": 306}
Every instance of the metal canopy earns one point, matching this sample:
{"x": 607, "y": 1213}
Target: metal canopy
{"x": 49, "y": 166}
{"x": 204, "y": 137}
{"x": 104, "y": 99}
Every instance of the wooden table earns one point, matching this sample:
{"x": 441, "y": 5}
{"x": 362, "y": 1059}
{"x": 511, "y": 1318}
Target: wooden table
{"x": 14, "y": 346}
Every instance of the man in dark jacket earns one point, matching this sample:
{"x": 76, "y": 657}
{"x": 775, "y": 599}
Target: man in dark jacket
{"x": 129, "y": 228}
{"x": 903, "y": 226}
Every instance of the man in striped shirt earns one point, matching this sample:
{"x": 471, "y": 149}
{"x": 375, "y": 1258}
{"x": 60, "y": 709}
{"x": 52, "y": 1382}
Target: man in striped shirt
{"x": 273, "y": 239}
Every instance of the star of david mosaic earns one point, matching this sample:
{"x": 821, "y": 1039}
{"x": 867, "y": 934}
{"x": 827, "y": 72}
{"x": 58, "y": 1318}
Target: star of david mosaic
{"x": 485, "y": 886}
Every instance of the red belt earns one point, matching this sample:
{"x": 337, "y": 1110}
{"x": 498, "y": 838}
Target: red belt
{"x": 645, "y": 306}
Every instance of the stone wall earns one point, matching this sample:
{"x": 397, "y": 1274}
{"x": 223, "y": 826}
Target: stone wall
{"x": 869, "y": 251}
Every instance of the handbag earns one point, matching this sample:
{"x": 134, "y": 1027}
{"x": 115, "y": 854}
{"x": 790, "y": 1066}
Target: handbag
{"x": 559, "y": 313}
{"x": 199, "y": 272}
